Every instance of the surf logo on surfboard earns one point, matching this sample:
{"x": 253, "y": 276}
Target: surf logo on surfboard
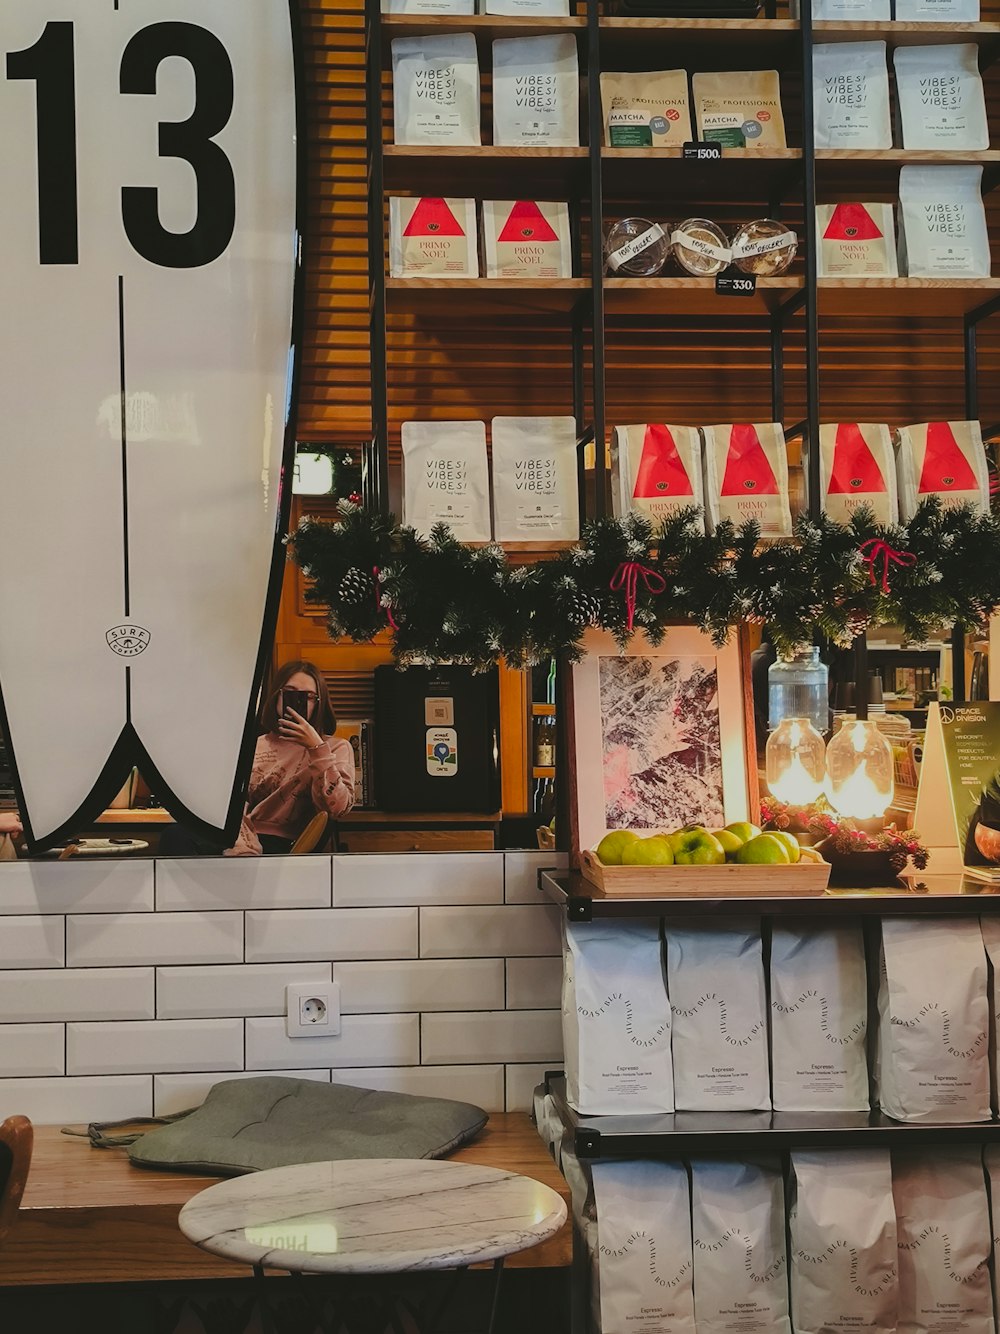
{"x": 150, "y": 272}
{"x": 127, "y": 640}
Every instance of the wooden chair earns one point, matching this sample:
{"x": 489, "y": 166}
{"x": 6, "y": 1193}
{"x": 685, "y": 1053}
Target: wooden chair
{"x": 313, "y": 836}
{"x": 16, "y": 1139}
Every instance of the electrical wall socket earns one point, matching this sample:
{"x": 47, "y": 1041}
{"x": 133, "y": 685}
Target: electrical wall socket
{"x": 312, "y": 1009}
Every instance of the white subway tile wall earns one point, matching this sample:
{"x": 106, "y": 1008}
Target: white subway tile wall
{"x": 525, "y": 1035}
{"x": 131, "y": 987}
{"x": 431, "y": 877}
{"x": 218, "y": 991}
{"x": 364, "y": 1039}
{"x": 205, "y": 883}
{"x": 179, "y": 1093}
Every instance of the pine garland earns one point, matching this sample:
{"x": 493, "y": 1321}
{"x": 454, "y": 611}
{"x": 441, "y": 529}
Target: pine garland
{"x": 444, "y": 601}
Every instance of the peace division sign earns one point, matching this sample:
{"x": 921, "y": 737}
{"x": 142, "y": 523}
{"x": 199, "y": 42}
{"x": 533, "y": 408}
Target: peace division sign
{"x": 148, "y": 256}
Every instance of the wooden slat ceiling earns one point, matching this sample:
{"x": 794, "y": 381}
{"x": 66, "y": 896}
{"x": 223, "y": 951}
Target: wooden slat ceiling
{"x": 685, "y": 370}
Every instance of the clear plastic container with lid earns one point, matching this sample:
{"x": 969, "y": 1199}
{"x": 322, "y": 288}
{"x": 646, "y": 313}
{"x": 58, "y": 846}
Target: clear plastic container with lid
{"x": 798, "y": 687}
{"x": 636, "y": 248}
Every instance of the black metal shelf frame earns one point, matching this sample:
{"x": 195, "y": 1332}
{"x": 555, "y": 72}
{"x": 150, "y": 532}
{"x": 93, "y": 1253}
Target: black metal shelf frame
{"x": 943, "y": 896}
{"x": 673, "y": 1134}
{"x": 587, "y": 318}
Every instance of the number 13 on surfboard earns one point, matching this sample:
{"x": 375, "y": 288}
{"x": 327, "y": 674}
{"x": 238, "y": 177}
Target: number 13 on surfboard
{"x": 149, "y": 272}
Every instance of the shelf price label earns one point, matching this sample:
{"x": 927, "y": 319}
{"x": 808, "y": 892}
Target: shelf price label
{"x": 735, "y": 284}
{"x": 148, "y": 269}
{"x": 701, "y": 151}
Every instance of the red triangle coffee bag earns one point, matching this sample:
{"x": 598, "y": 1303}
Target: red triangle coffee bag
{"x": 857, "y": 469}
{"x": 656, "y": 469}
{"x": 943, "y": 459}
{"x": 746, "y": 476}
{"x": 526, "y": 238}
{"x": 433, "y": 238}
{"x": 856, "y": 239}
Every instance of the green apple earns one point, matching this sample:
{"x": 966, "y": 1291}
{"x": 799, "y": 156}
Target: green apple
{"x": 697, "y": 847}
{"x": 744, "y": 830}
{"x": 790, "y": 842}
{"x": 612, "y": 845}
{"x": 680, "y": 837}
{"x": 731, "y": 842}
{"x": 655, "y": 851}
{"x": 765, "y": 849}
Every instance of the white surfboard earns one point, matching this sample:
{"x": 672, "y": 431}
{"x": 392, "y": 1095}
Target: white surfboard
{"x": 148, "y": 268}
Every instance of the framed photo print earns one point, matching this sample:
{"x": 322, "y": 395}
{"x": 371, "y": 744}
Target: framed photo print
{"x": 658, "y": 734}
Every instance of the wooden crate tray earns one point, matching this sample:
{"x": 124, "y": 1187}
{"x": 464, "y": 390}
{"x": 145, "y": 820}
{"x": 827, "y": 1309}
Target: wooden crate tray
{"x": 730, "y": 881}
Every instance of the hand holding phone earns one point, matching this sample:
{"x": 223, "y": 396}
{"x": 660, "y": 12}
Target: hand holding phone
{"x": 295, "y": 699}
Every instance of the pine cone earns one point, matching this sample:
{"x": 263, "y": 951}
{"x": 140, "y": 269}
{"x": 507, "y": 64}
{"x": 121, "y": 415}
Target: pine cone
{"x": 583, "y": 609}
{"x": 354, "y": 587}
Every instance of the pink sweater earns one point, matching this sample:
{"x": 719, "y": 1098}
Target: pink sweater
{"x": 289, "y": 785}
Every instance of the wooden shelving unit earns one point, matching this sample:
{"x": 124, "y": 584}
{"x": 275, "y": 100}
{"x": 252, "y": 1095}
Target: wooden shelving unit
{"x": 416, "y": 170}
{"x": 907, "y": 34}
{"x": 693, "y": 296}
{"x": 920, "y": 298}
{"x": 488, "y": 296}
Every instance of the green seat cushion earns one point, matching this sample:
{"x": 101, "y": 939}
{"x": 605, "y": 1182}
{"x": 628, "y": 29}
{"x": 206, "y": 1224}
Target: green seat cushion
{"x": 246, "y": 1125}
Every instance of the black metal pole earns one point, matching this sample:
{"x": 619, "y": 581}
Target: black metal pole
{"x": 971, "y": 369}
{"x": 957, "y": 663}
{"x": 861, "y": 677}
{"x": 777, "y": 369}
{"x": 595, "y": 122}
{"x": 376, "y": 474}
{"x": 811, "y": 437}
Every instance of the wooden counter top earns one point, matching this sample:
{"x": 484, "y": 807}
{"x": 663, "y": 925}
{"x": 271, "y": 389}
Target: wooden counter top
{"x": 89, "y": 1216}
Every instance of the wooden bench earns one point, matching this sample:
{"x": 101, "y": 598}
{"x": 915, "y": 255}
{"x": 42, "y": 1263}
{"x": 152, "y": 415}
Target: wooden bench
{"x": 89, "y": 1216}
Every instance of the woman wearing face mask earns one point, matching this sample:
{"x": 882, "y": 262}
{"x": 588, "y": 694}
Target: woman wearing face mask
{"x": 299, "y": 767}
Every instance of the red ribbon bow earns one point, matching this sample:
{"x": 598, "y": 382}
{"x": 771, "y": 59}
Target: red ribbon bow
{"x": 879, "y": 550}
{"x": 377, "y": 576}
{"x": 627, "y": 577}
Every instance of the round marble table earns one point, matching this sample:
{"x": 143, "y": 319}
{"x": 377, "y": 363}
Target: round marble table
{"x": 372, "y": 1216}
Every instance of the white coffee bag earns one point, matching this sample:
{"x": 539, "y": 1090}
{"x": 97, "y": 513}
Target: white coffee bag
{"x": 646, "y": 109}
{"x": 842, "y": 1241}
{"x": 432, "y": 238}
{"x": 715, "y": 980}
{"x": 851, "y": 95}
{"x": 991, "y": 1161}
{"x": 435, "y": 90}
{"x": 943, "y": 1241}
{"x": 939, "y": 95}
{"x": 746, "y": 476}
{"x": 937, "y": 11}
{"x": 616, "y": 1018}
{"x": 529, "y": 8}
{"x": 739, "y": 108}
{"x": 932, "y": 1054}
{"x": 857, "y": 469}
{"x": 943, "y": 459}
{"x": 644, "y": 1247}
{"x": 428, "y": 6}
{"x": 536, "y": 92}
{"x": 535, "y": 480}
{"x": 942, "y": 231}
{"x": 656, "y": 470}
{"x": 990, "y": 926}
{"x": 856, "y": 240}
{"x": 738, "y": 1229}
{"x": 526, "y": 238}
{"x": 446, "y": 478}
{"x": 819, "y": 1018}
{"x": 869, "y": 11}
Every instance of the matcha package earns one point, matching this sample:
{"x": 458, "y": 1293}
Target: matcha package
{"x": 739, "y": 108}
{"x": 646, "y": 110}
